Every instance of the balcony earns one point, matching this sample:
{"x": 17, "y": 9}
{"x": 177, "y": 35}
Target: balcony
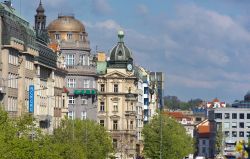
{"x": 81, "y": 70}
{"x": 130, "y": 113}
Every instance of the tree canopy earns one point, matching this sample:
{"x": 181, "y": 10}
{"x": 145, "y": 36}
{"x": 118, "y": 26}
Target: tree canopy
{"x": 176, "y": 143}
{"x": 74, "y": 139}
{"x": 173, "y": 102}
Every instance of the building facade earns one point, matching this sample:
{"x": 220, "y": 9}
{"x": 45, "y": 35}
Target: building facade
{"x": 69, "y": 33}
{"x": 235, "y": 127}
{"x": 27, "y": 60}
{"x": 118, "y": 108}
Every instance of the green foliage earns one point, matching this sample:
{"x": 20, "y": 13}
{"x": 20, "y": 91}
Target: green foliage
{"x": 176, "y": 143}
{"x": 219, "y": 137}
{"x": 90, "y": 140}
{"x": 172, "y": 102}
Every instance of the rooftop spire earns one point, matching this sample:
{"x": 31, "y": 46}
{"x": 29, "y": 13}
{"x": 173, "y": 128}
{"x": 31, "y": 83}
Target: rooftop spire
{"x": 40, "y": 7}
{"x": 120, "y": 35}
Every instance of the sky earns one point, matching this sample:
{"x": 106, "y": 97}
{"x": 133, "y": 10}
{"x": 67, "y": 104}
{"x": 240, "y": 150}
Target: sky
{"x": 202, "y": 46}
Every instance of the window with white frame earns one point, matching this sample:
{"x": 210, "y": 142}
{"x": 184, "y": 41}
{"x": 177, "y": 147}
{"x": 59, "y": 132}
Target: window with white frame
{"x": 71, "y": 100}
{"x": 102, "y": 87}
{"x": 80, "y": 37}
{"x": 12, "y": 104}
{"x": 102, "y": 122}
{"x": 28, "y": 63}
{"x": 13, "y": 57}
{"x": 70, "y": 59}
{"x": 12, "y": 80}
{"x": 102, "y": 107}
{"x": 28, "y": 82}
{"x": 71, "y": 83}
{"x": 115, "y": 124}
{"x": 115, "y": 107}
{"x": 116, "y": 88}
{"x": 69, "y": 36}
{"x": 84, "y": 100}
{"x": 83, "y": 115}
{"x": 57, "y": 36}
{"x": 71, "y": 115}
{"x": 86, "y": 83}
{"x": 82, "y": 60}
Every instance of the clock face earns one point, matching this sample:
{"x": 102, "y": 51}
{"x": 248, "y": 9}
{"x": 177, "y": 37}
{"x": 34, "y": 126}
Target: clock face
{"x": 129, "y": 67}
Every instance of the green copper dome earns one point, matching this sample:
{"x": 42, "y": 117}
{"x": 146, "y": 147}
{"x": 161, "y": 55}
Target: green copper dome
{"x": 120, "y": 52}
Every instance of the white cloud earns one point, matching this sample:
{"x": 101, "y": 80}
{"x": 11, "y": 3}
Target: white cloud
{"x": 101, "y": 7}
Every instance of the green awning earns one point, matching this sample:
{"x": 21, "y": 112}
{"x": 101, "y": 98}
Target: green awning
{"x": 93, "y": 91}
{"x": 78, "y": 92}
{"x": 88, "y": 92}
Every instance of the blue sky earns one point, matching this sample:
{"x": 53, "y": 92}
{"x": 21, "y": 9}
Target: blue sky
{"x": 202, "y": 46}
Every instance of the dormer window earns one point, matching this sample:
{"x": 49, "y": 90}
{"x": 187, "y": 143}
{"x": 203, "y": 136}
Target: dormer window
{"x": 69, "y": 36}
{"x": 57, "y": 36}
{"x": 81, "y": 37}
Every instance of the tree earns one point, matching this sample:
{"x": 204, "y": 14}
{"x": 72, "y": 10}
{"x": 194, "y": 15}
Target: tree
{"x": 176, "y": 143}
{"x": 219, "y": 137}
{"x": 87, "y": 137}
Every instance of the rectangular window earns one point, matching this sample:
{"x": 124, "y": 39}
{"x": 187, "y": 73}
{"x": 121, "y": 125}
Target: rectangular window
{"x": 248, "y": 115}
{"x": 82, "y": 60}
{"x": 226, "y": 125}
{"x": 71, "y": 100}
{"x": 204, "y": 142}
{"x": 234, "y": 125}
{"x": 102, "y": 88}
{"x": 234, "y": 116}
{"x": 86, "y": 83}
{"x": 241, "y": 115}
{"x": 241, "y": 134}
{"x": 69, "y": 36}
{"x": 115, "y": 106}
{"x": 115, "y": 143}
{"x": 13, "y": 57}
{"x": 70, "y": 60}
{"x": 116, "y": 88}
{"x": 241, "y": 124}
{"x": 102, "y": 122}
{"x": 102, "y": 107}
{"x": 81, "y": 37}
{"x": 218, "y": 116}
{"x": 115, "y": 124}
{"x": 131, "y": 125}
{"x": 84, "y": 101}
{"x": 71, "y": 83}
{"x": 204, "y": 150}
{"x": 83, "y": 115}
{"x": 227, "y": 116}
{"x": 57, "y": 36}
{"x": 234, "y": 133}
{"x": 248, "y": 124}
{"x": 71, "y": 115}
{"x": 226, "y": 133}
{"x": 248, "y": 134}
{"x": 145, "y": 90}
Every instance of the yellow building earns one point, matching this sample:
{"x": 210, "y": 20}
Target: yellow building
{"x": 118, "y": 100}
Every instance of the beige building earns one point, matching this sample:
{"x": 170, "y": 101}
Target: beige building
{"x": 118, "y": 106}
{"x": 26, "y": 60}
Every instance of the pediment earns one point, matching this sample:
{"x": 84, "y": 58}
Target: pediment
{"x": 116, "y": 74}
{"x": 114, "y": 117}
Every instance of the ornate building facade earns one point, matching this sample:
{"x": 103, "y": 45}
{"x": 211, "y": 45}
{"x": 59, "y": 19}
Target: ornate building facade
{"x": 118, "y": 106}
{"x": 27, "y": 60}
{"x": 70, "y": 34}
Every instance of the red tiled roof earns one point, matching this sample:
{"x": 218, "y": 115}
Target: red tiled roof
{"x": 216, "y": 100}
{"x": 177, "y": 115}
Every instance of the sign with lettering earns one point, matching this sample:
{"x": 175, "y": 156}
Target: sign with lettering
{"x": 31, "y": 98}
